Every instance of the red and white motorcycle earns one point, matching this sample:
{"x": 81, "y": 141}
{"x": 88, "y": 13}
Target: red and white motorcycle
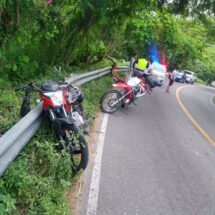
{"x": 123, "y": 94}
{"x": 56, "y": 106}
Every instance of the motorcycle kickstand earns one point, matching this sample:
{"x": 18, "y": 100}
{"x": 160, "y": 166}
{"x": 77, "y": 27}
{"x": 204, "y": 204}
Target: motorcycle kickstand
{"x": 126, "y": 108}
{"x": 134, "y": 101}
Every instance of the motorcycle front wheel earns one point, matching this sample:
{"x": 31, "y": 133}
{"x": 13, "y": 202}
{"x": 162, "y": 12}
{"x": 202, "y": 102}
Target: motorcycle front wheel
{"x": 77, "y": 147}
{"x": 111, "y": 101}
{"x": 148, "y": 89}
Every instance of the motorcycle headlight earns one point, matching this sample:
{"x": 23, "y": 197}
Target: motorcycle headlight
{"x": 56, "y": 97}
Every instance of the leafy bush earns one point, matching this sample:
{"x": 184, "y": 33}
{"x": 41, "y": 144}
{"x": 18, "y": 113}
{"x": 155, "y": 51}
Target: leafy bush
{"x": 199, "y": 81}
{"x": 7, "y": 204}
{"x": 213, "y": 99}
{"x": 38, "y": 178}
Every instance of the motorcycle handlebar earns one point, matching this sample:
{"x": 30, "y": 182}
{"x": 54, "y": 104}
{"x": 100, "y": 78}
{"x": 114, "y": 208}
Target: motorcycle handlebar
{"x": 62, "y": 83}
{"x": 32, "y": 87}
{"x": 19, "y": 88}
{"x": 29, "y": 87}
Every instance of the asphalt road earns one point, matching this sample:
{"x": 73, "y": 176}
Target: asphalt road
{"x": 199, "y": 102}
{"x": 155, "y": 161}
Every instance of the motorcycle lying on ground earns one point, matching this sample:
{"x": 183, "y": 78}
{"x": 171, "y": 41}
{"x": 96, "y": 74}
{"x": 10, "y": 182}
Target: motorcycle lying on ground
{"x": 124, "y": 93}
{"x": 66, "y": 126}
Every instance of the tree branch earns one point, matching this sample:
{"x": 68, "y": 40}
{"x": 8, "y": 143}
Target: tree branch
{"x": 110, "y": 58}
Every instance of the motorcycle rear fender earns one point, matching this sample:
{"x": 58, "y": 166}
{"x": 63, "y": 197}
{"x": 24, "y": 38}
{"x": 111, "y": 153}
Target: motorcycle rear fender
{"x": 121, "y": 85}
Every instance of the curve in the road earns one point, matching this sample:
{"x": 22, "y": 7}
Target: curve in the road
{"x": 189, "y": 115}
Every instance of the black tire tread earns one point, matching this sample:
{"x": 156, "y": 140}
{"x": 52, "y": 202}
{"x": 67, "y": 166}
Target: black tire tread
{"x": 104, "y": 95}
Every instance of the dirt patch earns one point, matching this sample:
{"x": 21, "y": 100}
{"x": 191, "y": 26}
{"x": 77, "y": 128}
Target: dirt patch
{"x": 75, "y": 194}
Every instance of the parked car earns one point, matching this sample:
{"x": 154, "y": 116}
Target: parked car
{"x": 180, "y": 76}
{"x": 190, "y": 77}
{"x": 210, "y": 83}
{"x": 159, "y": 71}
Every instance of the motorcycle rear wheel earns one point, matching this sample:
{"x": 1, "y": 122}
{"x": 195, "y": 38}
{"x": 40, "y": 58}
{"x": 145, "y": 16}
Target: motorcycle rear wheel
{"x": 110, "y": 102}
{"x": 76, "y": 146}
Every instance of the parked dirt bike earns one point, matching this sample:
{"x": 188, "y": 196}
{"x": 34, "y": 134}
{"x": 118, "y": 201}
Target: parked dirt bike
{"x": 122, "y": 94}
{"x": 56, "y": 107}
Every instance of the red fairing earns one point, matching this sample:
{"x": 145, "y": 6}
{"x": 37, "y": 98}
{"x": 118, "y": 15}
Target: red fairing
{"x": 124, "y": 86}
{"x": 67, "y": 106}
{"x": 46, "y": 101}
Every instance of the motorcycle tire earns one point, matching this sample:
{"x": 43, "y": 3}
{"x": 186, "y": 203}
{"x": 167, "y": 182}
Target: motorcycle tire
{"x": 148, "y": 89}
{"x": 25, "y": 108}
{"x": 77, "y": 147}
{"x": 110, "y": 102}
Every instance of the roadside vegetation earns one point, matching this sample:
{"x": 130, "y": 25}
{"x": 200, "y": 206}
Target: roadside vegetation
{"x": 213, "y": 99}
{"x": 50, "y": 39}
{"x": 199, "y": 81}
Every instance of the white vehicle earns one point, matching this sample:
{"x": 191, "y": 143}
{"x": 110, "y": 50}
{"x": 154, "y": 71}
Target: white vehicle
{"x": 159, "y": 71}
{"x": 190, "y": 77}
{"x": 179, "y": 76}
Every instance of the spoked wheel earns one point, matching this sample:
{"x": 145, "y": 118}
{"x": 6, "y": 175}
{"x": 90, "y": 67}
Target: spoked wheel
{"x": 111, "y": 101}
{"x": 148, "y": 89}
{"x": 76, "y": 145}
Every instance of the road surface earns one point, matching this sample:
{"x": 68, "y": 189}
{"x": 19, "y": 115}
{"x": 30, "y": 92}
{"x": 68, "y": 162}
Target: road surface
{"x": 155, "y": 160}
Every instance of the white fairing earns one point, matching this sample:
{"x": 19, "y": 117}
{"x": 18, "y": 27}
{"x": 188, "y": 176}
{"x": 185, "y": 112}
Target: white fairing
{"x": 159, "y": 71}
{"x": 56, "y": 97}
{"x": 134, "y": 81}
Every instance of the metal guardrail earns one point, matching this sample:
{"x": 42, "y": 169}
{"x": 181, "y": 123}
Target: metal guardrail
{"x": 14, "y": 140}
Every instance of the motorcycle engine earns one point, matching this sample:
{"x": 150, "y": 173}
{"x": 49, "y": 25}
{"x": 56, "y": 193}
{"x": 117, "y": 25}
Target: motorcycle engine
{"x": 78, "y": 118}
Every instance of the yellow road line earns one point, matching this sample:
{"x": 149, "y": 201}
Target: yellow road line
{"x": 196, "y": 124}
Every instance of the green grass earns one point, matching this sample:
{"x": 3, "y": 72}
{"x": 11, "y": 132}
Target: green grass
{"x": 213, "y": 99}
{"x": 93, "y": 92}
{"x": 199, "y": 81}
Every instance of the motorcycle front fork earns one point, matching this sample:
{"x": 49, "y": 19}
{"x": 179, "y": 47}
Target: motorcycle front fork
{"x": 122, "y": 98}
{"x": 61, "y": 112}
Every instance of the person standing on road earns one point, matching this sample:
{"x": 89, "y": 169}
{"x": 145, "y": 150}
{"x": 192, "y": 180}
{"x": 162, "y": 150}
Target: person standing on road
{"x": 171, "y": 79}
